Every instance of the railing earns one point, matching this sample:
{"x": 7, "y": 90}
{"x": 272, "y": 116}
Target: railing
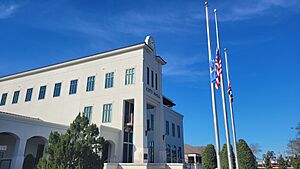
{"x": 5, "y": 163}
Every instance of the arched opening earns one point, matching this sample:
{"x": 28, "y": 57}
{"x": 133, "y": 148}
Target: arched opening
{"x": 108, "y": 152}
{"x": 7, "y": 148}
{"x": 35, "y": 147}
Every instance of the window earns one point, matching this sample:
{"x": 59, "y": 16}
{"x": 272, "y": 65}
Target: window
{"x": 156, "y": 81}
{"x": 57, "y": 88}
{"x": 148, "y": 125}
{"x": 167, "y": 128}
{"x": 168, "y": 153}
{"x": 73, "y": 86}
{"x": 16, "y": 97}
{"x": 109, "y": 80}
{"x": 129, "y": 110}
{"x": 179, "y": 154}
{"x": 1, "y": 154}
{"x": 151, "y": 152}
{"x": 28, "y": 95}
{"x": 127, "y": 147}
{"x": 42, "y": 92}
{"x": 107, "y": 111}
{"x": 191, "y": 160}
{"x": 148, "y": 75}
{"x": 90, "y": 83}
{"x": 178, "y": 131}
{"x": 151, "y": 122}
{"x": 88, "y": 112}
{"x": 152, "y": 78}
{"x": 129, "y": 77}
{"x": 174, "y": 154}
{"x": 3, "y": 99}
{"x": 173, "y": 129}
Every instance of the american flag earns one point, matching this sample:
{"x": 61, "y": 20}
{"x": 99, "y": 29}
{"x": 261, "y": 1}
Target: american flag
{"x": 219, "y": 69}
{"x": 229, "y": 91}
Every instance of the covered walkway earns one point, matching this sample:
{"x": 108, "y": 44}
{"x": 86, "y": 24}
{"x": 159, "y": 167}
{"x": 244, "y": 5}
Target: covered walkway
{"x": 21, "y": 136}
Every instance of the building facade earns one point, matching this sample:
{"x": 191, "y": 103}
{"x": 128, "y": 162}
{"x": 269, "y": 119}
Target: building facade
{"x": 119, "y": 90}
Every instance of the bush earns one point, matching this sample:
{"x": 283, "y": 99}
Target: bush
{"x": 28, "y": 162}
{"x": 246, "y": 159}
{"x": 224, "y": 157}
{"x": 209, "y": 158}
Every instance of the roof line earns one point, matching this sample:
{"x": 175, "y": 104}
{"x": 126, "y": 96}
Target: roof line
{"x": 11, "y": 76}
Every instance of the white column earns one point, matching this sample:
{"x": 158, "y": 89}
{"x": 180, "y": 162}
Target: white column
{"x": 18, "y": 159}
{"x": 139, "y": 127}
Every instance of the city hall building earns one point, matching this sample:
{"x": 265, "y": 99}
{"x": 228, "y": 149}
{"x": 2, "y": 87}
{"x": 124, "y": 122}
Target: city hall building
{"x": 119, "y": 90}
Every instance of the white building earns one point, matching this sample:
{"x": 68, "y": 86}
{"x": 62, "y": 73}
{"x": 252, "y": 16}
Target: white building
{"x": 121, "y": 92}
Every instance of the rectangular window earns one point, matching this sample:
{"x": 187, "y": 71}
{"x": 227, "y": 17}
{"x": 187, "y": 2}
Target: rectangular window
{"x": 173, "y": 129}
{"x": 16, "y": 97}
{"x": 178, "y": 131}
{"x": 174, "y": 154}
{"x": 152, "y": 78}
{"x": 168, "y": 153}
{"x": 167, "y": 128}
{"x": 88, "y": 112}
{"x": 156, "y": 81}
{"x": 73, "y": 86}
{"x": 152, "y": 122}
{"x": 148, "y": 75}
{"x": 151, "y": 152}
{"x": 129, "y": 110}
{"x": 3, "y": 99}
{"x": 148, "y": 125}
{"x": 109, "y": 80}
{"x": 127, "y": 147}
{"x": 90, "y": 83}
{"x": 107, "y": 112}
{"x": 129, "y": 77}
{"x": 42, "y": 92}
{"x": 57, "y": 88}
{"x": 28, "y": 95}
{"x": 180, "y": 155}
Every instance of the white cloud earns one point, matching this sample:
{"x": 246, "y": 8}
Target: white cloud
{"x": 242, "y": 10}
{"x": 238, "y": 10}
{"x": 7, "y": 10}
{"x": 185, "y": 67}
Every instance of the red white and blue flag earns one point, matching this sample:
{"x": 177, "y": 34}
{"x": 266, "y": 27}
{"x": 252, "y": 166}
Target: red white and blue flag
{"x": 218, "y": 64}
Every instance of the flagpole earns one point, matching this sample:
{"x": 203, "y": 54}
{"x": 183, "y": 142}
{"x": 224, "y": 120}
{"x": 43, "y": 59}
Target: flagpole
{"x": 223, "y": 98}
{"x": 216, "y": 127}
{"x": 231, "y": 112}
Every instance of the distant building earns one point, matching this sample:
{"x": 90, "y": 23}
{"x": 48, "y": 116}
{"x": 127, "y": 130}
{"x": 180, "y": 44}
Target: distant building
{"x": 119, "y": 90}
{"x": 192, "y": 156}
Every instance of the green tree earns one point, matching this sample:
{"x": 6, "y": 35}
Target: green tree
{"x": 224, "y": 157}
{"x": 282, "y": 163}
{"x": 79, "y": 148}
{"x": 246, "y": 159}
{"x": 267, "y": 159}
{"x": 296, "y": 162}
{"x": 209, "y": 158}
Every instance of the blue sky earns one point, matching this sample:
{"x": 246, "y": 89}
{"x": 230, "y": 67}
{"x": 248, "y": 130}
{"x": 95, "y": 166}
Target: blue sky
{"x": 262, "y": 37}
